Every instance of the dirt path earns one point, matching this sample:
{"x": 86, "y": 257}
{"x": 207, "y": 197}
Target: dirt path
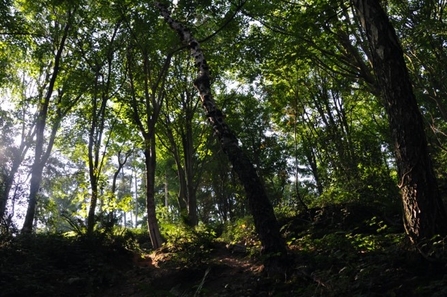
{"x": 224, "y": 273}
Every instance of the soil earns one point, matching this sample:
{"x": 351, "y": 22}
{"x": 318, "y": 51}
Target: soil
{"x": 226, "y": 273}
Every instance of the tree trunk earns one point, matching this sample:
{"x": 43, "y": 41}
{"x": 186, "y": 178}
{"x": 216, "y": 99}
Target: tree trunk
{"x": 150, "y": 160}
{"x": 91, "y": 220}
{"x": 95, "y": 161}
{"x": 188, "y": 149}
{"x": 36, "y": 178}
{"x": 182, "y": 193}
{"x": 111, "y": 219}
{"x": 423, "y": 210}
{"x": 40, "y": 155}
{"x": 136, "y": 196}
{"x": 145, "y": 122}
{"x": 184, "y": 157}
{"x": 264, "y": 218}
{"x": 8, "y": 179}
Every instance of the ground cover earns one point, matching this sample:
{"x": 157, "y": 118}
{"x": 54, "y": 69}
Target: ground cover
{"x": 334, "y": 251}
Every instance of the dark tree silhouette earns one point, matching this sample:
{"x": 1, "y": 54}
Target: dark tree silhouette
{"x": 423, "y": 210}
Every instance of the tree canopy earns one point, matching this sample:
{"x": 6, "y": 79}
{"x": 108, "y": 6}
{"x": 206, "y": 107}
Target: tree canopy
{"x": 197, "y": 114}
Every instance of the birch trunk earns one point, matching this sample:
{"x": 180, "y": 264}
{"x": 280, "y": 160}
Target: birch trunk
{"x": 264, "y": 218}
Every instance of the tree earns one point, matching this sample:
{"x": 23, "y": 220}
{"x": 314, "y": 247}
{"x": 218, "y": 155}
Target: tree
{"x": 264, "y": 218}
{"x": 103, "y": 81}
{"x": 46, "y": 98}
{"x": 146, "y": 68}
{"x": 183, "y": 137}
{"x": 12, "y": 156}
{"x": 420, "y": 26}
{"x": 341, "y": 143}
{"x": 249, "y": 113}
{"x": 315, "y": 81}
{"x": 423, "y": 210}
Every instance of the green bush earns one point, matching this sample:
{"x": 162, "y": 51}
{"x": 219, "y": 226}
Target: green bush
{"x": 242, "y": 232}
{"x": 187, "y": 245}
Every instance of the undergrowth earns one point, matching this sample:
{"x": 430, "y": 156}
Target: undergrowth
{"x": 337, "y": 251}
{"x": 242, "y": 233}
{"x": 188, "y": 246}
{"x": 57, "y": 265}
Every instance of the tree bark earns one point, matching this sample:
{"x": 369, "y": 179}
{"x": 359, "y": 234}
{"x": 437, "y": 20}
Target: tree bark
{"x": 423, "y": 210}
{"x": 152, "y": 223}
{"x": 264, "y": 218}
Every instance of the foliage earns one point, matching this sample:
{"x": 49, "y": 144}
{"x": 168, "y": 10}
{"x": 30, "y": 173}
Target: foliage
{"x": 327, "y": 259}
{"x": 285, "y": 211}
{"x": 188, "y": 245}
{"x": 241, "y": 232}
{"x": 339, "y": 259}
{"x": 297, "y": 88}
{"x": 296, "y": 93}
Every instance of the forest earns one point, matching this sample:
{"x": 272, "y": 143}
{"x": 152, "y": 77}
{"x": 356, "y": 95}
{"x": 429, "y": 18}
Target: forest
{"x": 223, "y": 148}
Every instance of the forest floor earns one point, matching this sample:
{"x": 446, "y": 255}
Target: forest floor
{"x": 339, "y": 251}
